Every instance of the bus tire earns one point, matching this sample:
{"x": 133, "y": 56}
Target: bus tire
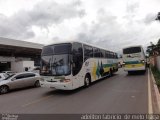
{"x": 4, "y": 89}
{"x": 87, "y": 80}
{"x": 110, "y": 73}
{"x": 113, "y": 70}
{"x": 144, "y": 71}
{"x": 130, "y": 72}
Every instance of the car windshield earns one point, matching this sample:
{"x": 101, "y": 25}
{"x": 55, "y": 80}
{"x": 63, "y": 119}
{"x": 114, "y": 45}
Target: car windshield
{"x": 9, "y": 76}
{"x": 6, "y": 75}
{"x": 55, "y": 60}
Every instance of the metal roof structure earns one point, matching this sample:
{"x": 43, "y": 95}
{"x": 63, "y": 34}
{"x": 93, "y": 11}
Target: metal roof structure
{"x": 19, "y": 43}
{"x": 11, "y": 47}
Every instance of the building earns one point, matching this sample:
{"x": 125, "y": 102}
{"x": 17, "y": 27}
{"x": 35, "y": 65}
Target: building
{"x": 13, "y": 52}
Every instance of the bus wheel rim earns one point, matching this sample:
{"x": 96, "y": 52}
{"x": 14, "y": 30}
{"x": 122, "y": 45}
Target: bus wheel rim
{"x": 87, "y": 81}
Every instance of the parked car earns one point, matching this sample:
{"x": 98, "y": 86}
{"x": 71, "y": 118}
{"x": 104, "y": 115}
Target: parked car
{"x": 8, "y": 72}
{"x": 19, "y": 80}
{"x": 3, "y": 76}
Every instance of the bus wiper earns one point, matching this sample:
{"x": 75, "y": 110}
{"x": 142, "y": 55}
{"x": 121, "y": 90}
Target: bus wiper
{"x": 55, "y": 63}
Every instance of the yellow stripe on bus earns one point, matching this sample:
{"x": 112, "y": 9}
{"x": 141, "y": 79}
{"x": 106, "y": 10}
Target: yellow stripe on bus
{"x": 106, "y": 69}
{"x": 134, "y": 65}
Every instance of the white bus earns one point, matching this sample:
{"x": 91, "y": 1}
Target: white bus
{"x": 134, "y": 59}
{"x": 70, "y": 65}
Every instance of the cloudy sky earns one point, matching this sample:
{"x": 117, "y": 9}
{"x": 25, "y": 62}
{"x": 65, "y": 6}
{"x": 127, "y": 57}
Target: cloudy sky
{"x": 111, "y": 24}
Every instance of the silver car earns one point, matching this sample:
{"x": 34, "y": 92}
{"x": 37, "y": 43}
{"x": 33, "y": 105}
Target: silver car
{"x": 8, "y": 72}
{"x": 3, "y": 76}
{"x": 19, "y": 80}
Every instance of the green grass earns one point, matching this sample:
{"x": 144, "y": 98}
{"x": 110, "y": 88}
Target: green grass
{"x": 156, "y": 74}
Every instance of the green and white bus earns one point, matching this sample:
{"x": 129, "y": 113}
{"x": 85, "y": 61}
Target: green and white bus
{"x": 70, "y": 65}
{"x": 134, "y": 59}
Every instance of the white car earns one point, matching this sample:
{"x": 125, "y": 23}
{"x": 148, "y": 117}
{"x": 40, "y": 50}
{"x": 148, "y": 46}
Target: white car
{"x": 19, "y": 80}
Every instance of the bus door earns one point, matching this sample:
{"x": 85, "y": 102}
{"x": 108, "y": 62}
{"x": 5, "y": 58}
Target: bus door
{"x": 77, "y": 62}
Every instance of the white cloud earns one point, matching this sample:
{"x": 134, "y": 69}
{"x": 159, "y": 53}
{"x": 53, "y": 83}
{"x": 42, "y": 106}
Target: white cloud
{"x": 112, "y": 24}
{"x": 110, "y": 33}
{"x": 44, "y": 14}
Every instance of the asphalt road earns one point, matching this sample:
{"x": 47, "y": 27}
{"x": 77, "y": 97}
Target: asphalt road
{"x": 121, "y": 93}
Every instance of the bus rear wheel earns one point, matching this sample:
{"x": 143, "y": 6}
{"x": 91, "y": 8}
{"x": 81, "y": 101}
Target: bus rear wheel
{"x": 110, "y": 73}
{"x": 143, "y": 71}
{"x": 130, "y": 72}
{"x": 87, "y": 81}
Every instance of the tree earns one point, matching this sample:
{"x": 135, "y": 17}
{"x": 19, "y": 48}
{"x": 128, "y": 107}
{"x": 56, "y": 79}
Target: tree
{"x": 158, "y": 42}
{"x": 158, "y": 16}
{"x": 158, "y": 46}
{"x": 153, "y": 49}
{"x": 150, "y": 49}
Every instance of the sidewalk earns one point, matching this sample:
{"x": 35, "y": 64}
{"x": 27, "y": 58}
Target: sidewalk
{"x": 155, "y": 95}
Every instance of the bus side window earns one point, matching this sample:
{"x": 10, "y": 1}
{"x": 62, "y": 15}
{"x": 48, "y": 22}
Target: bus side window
{"x": 110, "y": 54}
{"x": 77, "y": 53}
{"x": 88, "y": 52}
{"x": 96, "y": 52}
{"x": 116, "y": 55}
{"x": 102, "y": 53}
{"x": 107, "y": 54}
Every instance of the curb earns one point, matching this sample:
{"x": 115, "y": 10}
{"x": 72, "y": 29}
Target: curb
{"x": 156, "y": 91}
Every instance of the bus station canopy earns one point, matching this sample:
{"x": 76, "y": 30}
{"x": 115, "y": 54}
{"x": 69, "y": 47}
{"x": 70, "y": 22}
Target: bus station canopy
{"x": 17, "y": 48}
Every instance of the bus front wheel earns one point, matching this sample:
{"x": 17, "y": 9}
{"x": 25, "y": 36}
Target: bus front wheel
{"x": 87, "y": 80}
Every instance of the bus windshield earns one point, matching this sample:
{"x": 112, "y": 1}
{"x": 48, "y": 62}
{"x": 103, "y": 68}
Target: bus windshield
{"x": 55, "y": 60}
{"x": 132, "y": 50}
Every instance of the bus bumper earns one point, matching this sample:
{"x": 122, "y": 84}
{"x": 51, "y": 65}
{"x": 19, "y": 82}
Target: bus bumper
{"x": 57, "y": 85}
{"x": 135, "y": 68}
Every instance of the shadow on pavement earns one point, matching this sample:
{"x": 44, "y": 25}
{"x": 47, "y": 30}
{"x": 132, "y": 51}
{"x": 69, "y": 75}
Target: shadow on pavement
{"x": 70, "y": 92}
{"x": 19, "y": 90}
{"x": 134, "y": 73}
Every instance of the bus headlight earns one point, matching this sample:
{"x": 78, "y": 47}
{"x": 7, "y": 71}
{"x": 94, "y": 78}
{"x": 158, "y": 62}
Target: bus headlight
{"x": 65, "y": 80}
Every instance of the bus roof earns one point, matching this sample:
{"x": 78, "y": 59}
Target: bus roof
{"x": 72, "y": 41}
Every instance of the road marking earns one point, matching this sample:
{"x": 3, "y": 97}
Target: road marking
{"x": 150, "y": 108}
{"x": 36, "y": 101}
